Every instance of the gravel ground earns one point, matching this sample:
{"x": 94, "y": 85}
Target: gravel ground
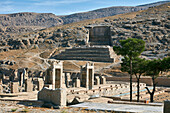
{"x": 27, "y": 107}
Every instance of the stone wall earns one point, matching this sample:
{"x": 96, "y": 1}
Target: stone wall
{"x": 57, "y": 96}
{"x": 161, "y": 81}
{"x": 99, "y": 35}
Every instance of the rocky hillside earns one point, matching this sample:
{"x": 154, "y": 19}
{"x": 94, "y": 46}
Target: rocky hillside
{"x": 27, "y": 22}
{"x": 151, "y": 25}
{"x": 105, "y": 12}
{"x": 18, "y": 23}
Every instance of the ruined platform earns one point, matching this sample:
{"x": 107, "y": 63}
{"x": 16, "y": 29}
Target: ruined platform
{"x": 93, "y": 53}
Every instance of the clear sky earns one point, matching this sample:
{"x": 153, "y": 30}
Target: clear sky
{"x": 63, "y": 7}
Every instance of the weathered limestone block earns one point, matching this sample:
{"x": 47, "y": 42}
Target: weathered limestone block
{"x": 67, "y": 79}
{"x": 40, "y": 84}
{"x": 102, "y": 80}
{"x": 77, "y": 82}
{"x": 87, "y": 75}
{"x": 21, "y": 79}
{"x": 1, "y": 88}
{"x": 28, "y": 85}
{"x": 167, "y": 106}
{"x": 14, "y": 87}
{"x": 97, "y": 80}
{"x": 56, "y": 96}
{"x": 77, "y": 98}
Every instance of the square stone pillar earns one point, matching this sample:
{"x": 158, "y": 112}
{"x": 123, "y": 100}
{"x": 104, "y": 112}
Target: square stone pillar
{"x": 77, "y": 82}
{"x": 87, "y": 76}
{"x": 1, "y": 81}
{"x": 97, "y": 80}
{"x": 28, "y": 85}
{"x": 57, "y": 94}
{"x": 40, "y": 84}
{"x": 102, "y": 80}
{"x": 1, "y": 88}
{"x": 57, "y": 79}
{"x": 21, "y": 79}
{"x": 14, "y": 87}
{"x": 67, "y": 79}
{"x": 167, "y": 106}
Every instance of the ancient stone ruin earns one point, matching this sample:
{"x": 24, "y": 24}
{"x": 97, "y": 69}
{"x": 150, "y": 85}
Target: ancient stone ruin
{"x": 62, "y": 88}
{"x": 98, "y": 47}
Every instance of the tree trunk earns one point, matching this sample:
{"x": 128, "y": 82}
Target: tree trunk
{"x": 151, "y": 97}
{"x": 130, "y": 79}
{"x": 138, "y": 90}
{"x": 153, "y": 91}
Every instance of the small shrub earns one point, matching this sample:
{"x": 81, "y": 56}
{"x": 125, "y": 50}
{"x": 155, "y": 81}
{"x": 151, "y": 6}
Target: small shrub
{"x": 14, "y": 109}
{"x": 64, "y": 111}
{"x": 25, "y": 110}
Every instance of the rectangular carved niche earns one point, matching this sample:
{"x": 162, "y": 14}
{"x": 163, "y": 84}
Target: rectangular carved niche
{"x": 58, "y": 78}
{"x": 90, "y": 79}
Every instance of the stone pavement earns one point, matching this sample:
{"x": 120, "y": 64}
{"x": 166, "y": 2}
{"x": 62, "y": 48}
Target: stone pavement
{"x": 121, "y": 107}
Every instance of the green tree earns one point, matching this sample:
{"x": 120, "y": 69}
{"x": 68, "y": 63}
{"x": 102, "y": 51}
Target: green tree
{"x": 130, "y": 48}
{"x": 153, "y": 69}
{"x": 139, "y": 69}
{"x": 165, "y": 64}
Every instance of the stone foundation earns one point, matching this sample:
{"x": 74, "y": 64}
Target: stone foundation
{"x": 94, "y": 53}
{"x": 57, "y": 96}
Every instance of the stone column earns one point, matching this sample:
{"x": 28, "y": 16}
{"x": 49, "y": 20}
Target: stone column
{"x": 25, "y": 74}
{"x": 87, "y": 76}
{"x": 16, "y": 74}
{"x": 67, "y": 79}
{"x": 167, "y": 106}
{"x": 1, "y": 81}
{"x": 28, "y": 85}
{"x": 57, "y": 80}
{"x": 102, "y": 80}
{"x": 97, "y": 80}
{"x": 77, "y": 82}
{"x": 14, "y": 87}
{"x": 1, "y": 88}
{"x": 21, "y": 79}
{"x": 40, "y": 84}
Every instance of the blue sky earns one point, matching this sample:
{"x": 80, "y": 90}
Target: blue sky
{"x": 63, "y": 7}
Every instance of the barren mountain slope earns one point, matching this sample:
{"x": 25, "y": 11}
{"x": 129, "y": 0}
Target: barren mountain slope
{"x": 18, "y": 23}
{"x": 105, "y": 12}
{"x": 26, "y": 22}
{"x": 33, "y": 49}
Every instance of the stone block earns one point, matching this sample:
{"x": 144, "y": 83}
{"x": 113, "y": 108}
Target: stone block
{"x": 77, "y": 83}
{"x": 55, "y": 96}
{"x": 14, "y": 87}
{"x": 167, "y": 106}
{"x": 40, "y": 84}
{"x": 1, "y": 89}
{"x": 28, "y": 85}
{"x": 102, "y": 80}
{"x": 97, "y": 80}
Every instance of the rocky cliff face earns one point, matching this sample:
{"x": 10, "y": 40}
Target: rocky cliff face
{"x": 26, "y": 22}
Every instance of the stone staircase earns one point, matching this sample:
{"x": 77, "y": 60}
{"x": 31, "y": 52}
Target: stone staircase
{"x": 94, "y": 53}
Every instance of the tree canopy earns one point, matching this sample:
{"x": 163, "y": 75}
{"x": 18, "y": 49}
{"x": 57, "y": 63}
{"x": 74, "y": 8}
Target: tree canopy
{"x": 131, "y": 47}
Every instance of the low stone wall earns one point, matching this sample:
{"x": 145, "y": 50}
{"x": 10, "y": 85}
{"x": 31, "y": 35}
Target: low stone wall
{"x": 57, "y": 96}
{"x": 161, "y": 81}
